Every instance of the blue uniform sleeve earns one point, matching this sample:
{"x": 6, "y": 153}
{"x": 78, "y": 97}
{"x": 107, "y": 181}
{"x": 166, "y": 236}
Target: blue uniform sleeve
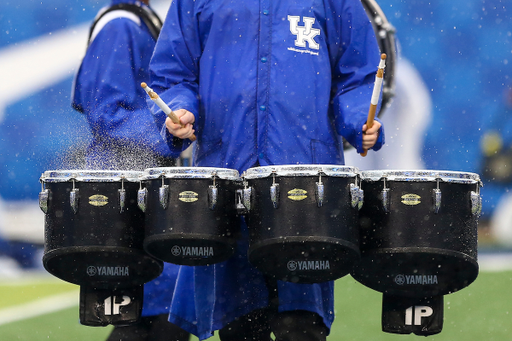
{"x": 107, "y": 87}
{"x": 174, "y": 67}
{"x": 356, "y": 60}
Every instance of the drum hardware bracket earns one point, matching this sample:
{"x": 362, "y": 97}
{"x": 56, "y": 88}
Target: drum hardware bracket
{"x": 274, "y": 191}
{"x": 142, "y": 194}
{"x": 244, "y": 199}
{"x": 476, "y": 201}
{"x": 163, "y": 194}
{"x": 43, "y": 198}
{"x": 74, "y": 197}
{"x": 356, "y": 196}
{"x": 122, "y": 197}
{"x": 436, "y": 195}
{"x": 320, "y": 191}
{"x": 213, "y": 194}
{"x": 361, "y": 198}
{"x": 385, "y": 198}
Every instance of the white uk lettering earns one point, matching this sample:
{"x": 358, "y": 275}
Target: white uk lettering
{"x": 304, "y": 33}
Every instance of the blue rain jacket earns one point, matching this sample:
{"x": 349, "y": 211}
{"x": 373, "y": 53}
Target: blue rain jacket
{"x": 269, "y": 83}
{"x": 107, "y": 90}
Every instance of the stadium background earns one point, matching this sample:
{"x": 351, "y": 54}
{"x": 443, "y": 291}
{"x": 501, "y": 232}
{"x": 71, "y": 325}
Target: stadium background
{"x": 461, "y": 48}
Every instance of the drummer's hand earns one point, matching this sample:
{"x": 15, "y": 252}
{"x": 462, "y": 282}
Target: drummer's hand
{"x": 185, "y": 130}
{"x": 371, "y": 135}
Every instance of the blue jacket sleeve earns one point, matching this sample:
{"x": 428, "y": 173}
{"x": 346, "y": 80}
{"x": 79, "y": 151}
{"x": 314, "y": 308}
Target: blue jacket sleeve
{"x": 107, "y": 87}
{"x": 356, "y": 60}
{"x": 174, "y": 67}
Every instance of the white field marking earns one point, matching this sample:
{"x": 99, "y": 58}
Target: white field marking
{"x": 39, "y": 307}
{"x": 30, "y": 66}
{"x": 33, "y": 65}
{"x": 495, "y": 262}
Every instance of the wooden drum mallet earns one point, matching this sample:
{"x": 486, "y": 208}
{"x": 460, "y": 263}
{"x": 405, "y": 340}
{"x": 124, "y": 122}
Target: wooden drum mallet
{"x": 165, "y": 108}
{"x": 375, "y": 95}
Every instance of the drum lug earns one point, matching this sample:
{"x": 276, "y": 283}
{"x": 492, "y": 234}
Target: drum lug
{"x": 213, "y": 193}
{"x": 163, "y": 195}
{"x": 355, "y": 195}
{"x": 361, "y": 199}
{"x": 43, "y": 200}
{"x": 73, "y": 199}
{"x": 319, "y": 194}
{"x": 385, "y": 200}
{"x": 122, "y": 196}
{"x": 122, "y": 199}
{"x": 436, "y": 195}
{"x": 274, "y": 195}
{"x": 476, "y": 203}
{"x": 141, "y": 198}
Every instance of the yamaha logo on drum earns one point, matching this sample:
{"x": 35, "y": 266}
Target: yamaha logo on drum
{"x": 192, "y": 251}
{"x": 98, "y": 200}
{"x": 416, "y": 279}
{"x": 188, "y": 196}
{"x": 176, "y": 251}
{"x": 91, "y": 270}
{"x": 297, "y": 194}
{"x": 292, "y": 265}
{"x": 121, "y": 271}
{"x": 411, "y": 199}
{"x": 308, "y": 265}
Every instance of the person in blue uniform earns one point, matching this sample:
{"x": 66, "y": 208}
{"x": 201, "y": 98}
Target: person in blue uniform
{"x": 262, "y": 83}
{"x": 107, "y": 90}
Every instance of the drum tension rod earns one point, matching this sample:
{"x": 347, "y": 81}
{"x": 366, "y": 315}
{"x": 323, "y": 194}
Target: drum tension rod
{"x": 122, "y": 196}
{"x": 319, "y": 191}
{"x": 385, "y": 197}
{"x": 74, "y": 197}
{"x": 274, "y": 191}
{"x": 141, "y": 197}
{"x": 437, "y": 196}
{"x": 163, "y": 193}
{"x": 213, "y": 193}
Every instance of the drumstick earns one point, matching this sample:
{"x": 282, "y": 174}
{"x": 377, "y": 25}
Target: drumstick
{"x": 375, "y": 95}
{"x": 165, "y": 108}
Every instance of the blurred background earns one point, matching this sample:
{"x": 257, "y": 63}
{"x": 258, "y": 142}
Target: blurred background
{"x": 452, "y": 109}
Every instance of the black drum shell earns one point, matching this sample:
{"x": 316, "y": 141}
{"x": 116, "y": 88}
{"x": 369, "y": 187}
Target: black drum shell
{"x": 411, "y": 250}
{"x": 98, "y": 245}
{"x": 191, "y": 225}
{"x": 301, "y": 231}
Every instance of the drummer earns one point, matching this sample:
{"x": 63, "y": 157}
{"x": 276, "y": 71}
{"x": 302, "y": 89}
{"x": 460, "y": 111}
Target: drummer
{"x": 124, "y": 134}
{"x": 274, "y": 84}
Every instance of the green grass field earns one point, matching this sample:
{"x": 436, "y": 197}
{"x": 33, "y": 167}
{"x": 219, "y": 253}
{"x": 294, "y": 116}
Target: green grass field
{"x": 482, "y": 311}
